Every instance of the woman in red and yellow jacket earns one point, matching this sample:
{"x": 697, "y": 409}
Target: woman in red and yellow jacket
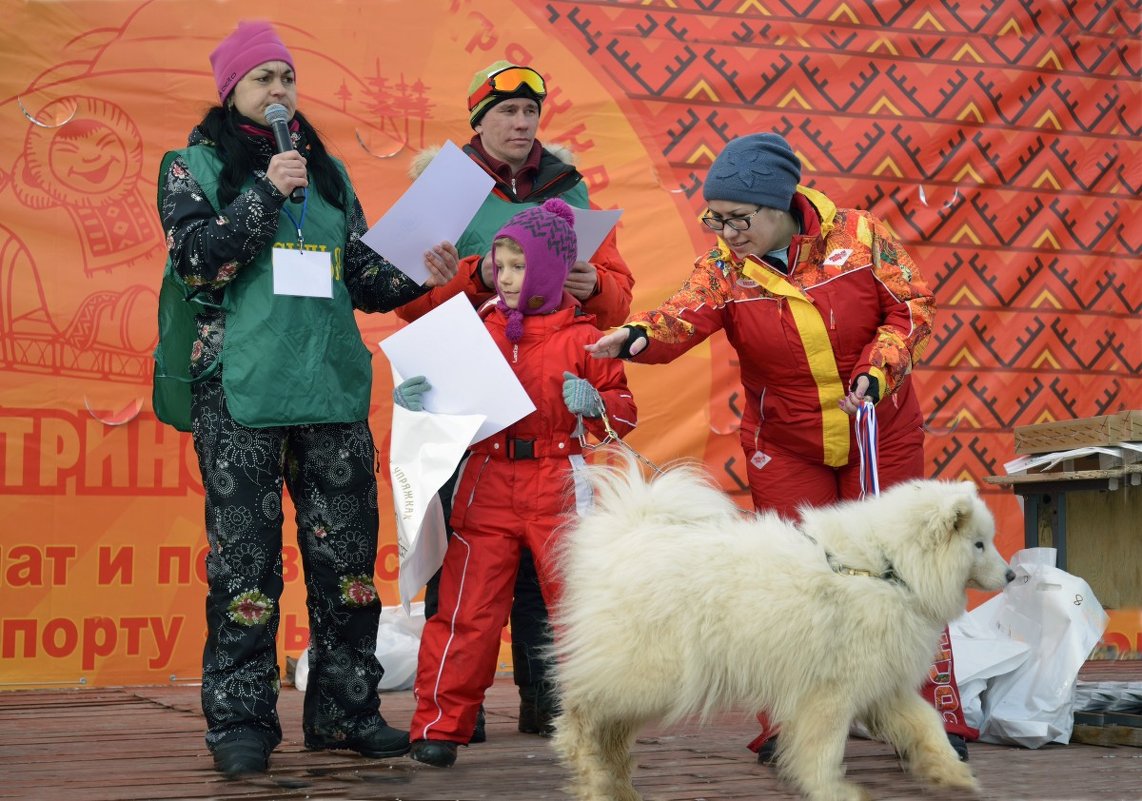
{"x": 825, "y": 309}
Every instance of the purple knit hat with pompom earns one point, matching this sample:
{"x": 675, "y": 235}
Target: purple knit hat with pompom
{"x": 546, "y": 234}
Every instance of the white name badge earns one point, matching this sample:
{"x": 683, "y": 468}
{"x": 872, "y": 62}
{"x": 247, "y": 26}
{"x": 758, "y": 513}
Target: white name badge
{"x": 305, "y": 273}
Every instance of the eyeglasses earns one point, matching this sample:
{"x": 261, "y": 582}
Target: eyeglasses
{"x": 507, "y": 81}
{"x": 736, "y": 223}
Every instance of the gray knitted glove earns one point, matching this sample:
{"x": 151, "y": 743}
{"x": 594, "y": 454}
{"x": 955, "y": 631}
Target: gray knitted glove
{"x": 409, "y": 394}
{"x": 580, "y": 396}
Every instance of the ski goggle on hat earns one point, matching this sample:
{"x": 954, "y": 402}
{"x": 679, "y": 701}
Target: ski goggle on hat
{"x": 507, "y": 81}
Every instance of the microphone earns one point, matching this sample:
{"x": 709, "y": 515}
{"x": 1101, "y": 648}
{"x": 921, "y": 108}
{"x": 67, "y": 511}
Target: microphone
{"x": 276, "y": 118}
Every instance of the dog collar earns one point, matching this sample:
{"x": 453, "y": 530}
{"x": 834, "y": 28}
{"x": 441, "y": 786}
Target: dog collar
{"x": 890, "y": 575}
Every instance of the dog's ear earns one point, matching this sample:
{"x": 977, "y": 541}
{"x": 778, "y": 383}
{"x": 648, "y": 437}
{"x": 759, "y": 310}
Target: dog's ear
{"x": 954, "y": 512}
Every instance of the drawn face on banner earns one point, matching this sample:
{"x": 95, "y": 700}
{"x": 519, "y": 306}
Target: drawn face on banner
{"x": 91, "y": 160}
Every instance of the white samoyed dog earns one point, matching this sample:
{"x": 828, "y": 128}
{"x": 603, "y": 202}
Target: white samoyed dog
{"x": 677, "y": 605}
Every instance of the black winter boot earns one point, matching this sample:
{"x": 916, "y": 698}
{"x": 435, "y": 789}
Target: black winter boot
{"x": 767, "y": 754}
{"x": 241, "y": 756}
{"x": 537, "y": 711}
{"x": 480, "y": 733}
{"x": 437, "y": 753}
{"x": 960, "y": 744}
{"x": 380, "y": 743}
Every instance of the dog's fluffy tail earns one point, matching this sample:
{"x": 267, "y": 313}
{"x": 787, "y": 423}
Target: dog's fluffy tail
{"x": 626, "y": 504}
{"x": 628, "y": 499}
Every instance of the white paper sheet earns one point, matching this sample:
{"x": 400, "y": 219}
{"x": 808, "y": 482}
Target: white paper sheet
{"x": 452, "y": 349}
{"x": 424, "y": 451}
{"x": 436, "y": 208}
{"x": 1043, "y": 462}
{"x": 592, "y": 227}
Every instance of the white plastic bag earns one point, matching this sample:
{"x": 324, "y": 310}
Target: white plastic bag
{"x": 980, "y": 655}
{"x": 1057, "y": 617}
{"x": 398, "y": 642}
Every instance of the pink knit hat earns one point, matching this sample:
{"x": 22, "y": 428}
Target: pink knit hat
{"x": 546, "y": 234}
{"x": 252, "y": 43}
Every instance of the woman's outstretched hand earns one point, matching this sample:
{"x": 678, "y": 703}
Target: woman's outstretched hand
{"x": 442, "y": 262}
{"x": 611, "y": 345}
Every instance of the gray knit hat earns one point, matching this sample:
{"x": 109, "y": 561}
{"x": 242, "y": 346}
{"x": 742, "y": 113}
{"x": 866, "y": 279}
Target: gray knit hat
{"x": 758, "y": 168}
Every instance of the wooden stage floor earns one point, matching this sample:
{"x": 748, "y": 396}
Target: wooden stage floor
{"x": 146, "y": 743}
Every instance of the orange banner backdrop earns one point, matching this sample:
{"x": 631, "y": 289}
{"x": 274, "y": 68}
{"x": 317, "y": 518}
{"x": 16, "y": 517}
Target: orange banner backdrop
{"x": 1002, "y": 146}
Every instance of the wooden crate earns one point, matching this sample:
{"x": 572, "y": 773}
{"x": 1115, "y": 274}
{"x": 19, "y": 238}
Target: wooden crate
{"x": 1064, "y": 435}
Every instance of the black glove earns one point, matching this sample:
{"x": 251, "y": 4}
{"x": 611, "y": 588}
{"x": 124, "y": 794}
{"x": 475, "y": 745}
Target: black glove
{"x": 634, "y": 335}
{"x": 873, "y": 391}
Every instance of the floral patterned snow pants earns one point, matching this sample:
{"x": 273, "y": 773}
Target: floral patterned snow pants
{"x": 328, "y": 470}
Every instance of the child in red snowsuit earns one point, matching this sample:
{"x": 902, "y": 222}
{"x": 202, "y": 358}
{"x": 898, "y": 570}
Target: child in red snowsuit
{"x": 518, "y": 485}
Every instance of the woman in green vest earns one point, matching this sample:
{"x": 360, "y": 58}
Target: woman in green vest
{"x": 277, "y": 391}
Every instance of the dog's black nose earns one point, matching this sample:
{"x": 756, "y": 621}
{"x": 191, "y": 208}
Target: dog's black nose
{"x": 1010, "y": 575}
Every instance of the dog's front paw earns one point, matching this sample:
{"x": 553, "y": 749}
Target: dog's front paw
{"x": 949, "y": 773}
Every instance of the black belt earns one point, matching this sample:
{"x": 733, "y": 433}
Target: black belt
{"x": 519, "y": 449}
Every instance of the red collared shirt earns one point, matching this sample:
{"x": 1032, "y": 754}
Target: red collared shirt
{"x": 521, "y": 182}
